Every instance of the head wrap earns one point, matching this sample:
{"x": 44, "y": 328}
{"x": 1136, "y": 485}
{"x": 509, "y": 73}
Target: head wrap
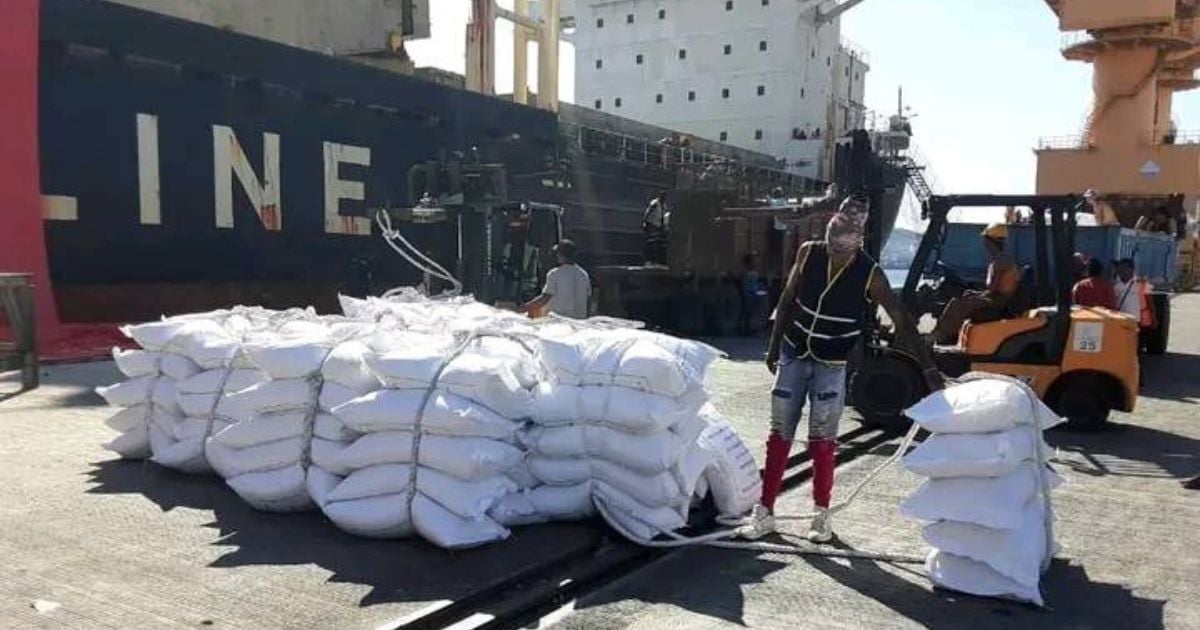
{"x": 844, "y": 233}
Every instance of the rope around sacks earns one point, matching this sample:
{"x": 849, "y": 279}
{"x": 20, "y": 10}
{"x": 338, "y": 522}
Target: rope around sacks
{"x": 737, "y": 528}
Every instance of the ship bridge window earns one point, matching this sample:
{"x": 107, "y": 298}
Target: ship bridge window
{"x": 762, "y": 89}
{"x": 639, "y": 59}
{"x": 617, "y": 102}
{"x": 724, "y": 136}
{"x": 801, "y": 92}
{"x": 683, "y": 53}
{"x": 725, "y": 93}
{"x": 758, "y": 134}
{"x": 728, "y": 49}
{"x": 762, "y": 45}
{"x": 766, "y": 2}
{"x": 597, "y": 104}
{"x": 662, "y": 14}
{"x": 599, "y": 22}
{"x": 728, "y": 5}
{"x": 828, "y": 61}
{"x": 658, "y": 98}
{"x": 599, "y": 63}
{"x": 691, "y": 95}
{"x": 629, "y": 19}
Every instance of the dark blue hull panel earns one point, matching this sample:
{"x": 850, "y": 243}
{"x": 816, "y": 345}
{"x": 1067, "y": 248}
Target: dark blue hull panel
{"x": 102, "y": 65}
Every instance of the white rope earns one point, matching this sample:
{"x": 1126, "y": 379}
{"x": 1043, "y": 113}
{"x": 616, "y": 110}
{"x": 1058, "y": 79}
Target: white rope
{"x": 414, "y": 256}
{"x": 739, "y": 527}
{"x": 1039, "y": 455}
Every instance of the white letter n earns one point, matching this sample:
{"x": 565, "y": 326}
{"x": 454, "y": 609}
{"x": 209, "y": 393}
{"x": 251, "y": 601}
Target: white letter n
{"x": 228, "y": 160}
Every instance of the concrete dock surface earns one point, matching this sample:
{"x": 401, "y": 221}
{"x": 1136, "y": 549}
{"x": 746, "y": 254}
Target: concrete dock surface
{"x": 88, "y": 541}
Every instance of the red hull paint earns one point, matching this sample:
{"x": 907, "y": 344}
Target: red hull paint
{"x": 22, "y": 242}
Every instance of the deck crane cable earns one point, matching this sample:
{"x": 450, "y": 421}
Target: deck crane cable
{"x": 414, "y": 256}
{"x": 736, "y": 528}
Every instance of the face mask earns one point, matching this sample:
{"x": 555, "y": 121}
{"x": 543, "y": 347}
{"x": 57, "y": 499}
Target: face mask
{"x": 845, "y": 231}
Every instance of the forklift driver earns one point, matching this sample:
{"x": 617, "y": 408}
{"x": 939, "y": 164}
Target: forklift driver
{"x": 1003, "y": 282}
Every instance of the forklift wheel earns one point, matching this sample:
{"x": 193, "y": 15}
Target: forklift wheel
{"x": 882, "y": 387}
{"x": 1080, "y": 399}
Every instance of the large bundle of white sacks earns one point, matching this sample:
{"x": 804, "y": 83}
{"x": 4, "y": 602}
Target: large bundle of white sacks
{"x": 446, "y": 419}
{"x": 181, "y": 369}
{"x": 986, "y": 499}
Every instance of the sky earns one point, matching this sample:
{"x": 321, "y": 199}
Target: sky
{"x": 984, "y": 78}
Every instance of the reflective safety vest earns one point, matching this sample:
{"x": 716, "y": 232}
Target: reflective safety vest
{"x": 828, "y": 314}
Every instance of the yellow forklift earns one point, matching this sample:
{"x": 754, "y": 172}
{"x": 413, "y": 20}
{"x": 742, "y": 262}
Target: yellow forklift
{"x": 1083, "y": 362}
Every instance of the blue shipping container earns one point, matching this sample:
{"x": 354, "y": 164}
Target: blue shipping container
{"x": 1154, "y": 254}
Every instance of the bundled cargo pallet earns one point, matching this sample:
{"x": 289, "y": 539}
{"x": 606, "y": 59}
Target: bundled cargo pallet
{"x": 442, "y": 418}
{"x": 986, "y": 499}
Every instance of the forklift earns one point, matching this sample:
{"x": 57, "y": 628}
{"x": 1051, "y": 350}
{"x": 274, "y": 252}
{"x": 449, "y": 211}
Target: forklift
{"x": 1082, "y": 362}
{"x": 503, "y": 248}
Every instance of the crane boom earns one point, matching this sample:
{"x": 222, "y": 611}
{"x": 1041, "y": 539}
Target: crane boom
{"x": 833, "y": 12}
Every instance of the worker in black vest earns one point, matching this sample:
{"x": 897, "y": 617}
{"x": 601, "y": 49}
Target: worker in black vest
{"x": 828, "y": 298}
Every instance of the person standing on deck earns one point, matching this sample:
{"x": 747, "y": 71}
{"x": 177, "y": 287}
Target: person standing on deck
{"x": 568, "y": 287}
{"x": 1159, "y": 222}
{"x": 828, "y": 298}
{"x": 656, "y": 221}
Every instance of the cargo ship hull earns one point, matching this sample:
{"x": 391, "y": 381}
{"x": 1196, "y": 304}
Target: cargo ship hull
{"x": 185, "y": 167}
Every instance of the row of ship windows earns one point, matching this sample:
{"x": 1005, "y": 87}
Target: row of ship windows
{"x": 640, "y": 59}
{"x": 691, "y": 96}
{"x": 662, "y": 13}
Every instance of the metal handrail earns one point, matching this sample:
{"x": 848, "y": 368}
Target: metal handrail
{"x": 1061, "y": 143}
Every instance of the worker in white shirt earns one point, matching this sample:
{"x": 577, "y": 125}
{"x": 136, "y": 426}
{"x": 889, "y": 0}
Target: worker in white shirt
{"x": 1125, "y": 284}
{"x": 568, "y": 287}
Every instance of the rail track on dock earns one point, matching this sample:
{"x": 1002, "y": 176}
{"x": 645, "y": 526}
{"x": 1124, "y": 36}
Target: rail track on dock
{"x": 546, "y": 591}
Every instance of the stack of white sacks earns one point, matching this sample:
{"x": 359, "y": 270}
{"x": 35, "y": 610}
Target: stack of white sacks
{"x": 618, "y": 419}
{"x": 987, "y": 496}
{"x": 281, "y": 425}
{"x": 442, "y": 418}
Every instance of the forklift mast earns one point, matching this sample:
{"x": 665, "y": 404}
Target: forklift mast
{"x": 1053, "y": 221}
{"x": 502, "y": 246}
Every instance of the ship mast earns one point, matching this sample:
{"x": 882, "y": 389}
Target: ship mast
{"x": 1142, "y": 53}
{"x": 541, "y": 25}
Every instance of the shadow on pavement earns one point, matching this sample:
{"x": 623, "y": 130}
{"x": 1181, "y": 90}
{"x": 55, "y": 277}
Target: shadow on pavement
{"x": 740, "y": 349}
{"x": 67, "y": 385}
{"x": 1072, "y": 600}
{"x": 1128, "y": 450}
{"x": 715, "y": 587}
{"x": 1171, "y": 376}
{"x": 396, "y": 571}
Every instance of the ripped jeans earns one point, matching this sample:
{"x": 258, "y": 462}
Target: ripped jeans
{"x": 824, "y": 388}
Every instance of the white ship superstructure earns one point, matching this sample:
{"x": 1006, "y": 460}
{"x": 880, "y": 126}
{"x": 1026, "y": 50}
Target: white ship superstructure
{"x": 772, "y": 76}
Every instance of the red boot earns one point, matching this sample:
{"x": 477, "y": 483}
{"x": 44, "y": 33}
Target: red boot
{"x": 777, "y": 456}
{"x": 823, "y": 452}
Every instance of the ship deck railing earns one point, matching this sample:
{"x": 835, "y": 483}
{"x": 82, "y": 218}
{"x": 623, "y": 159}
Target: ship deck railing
{"x": 670, "y": 155}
